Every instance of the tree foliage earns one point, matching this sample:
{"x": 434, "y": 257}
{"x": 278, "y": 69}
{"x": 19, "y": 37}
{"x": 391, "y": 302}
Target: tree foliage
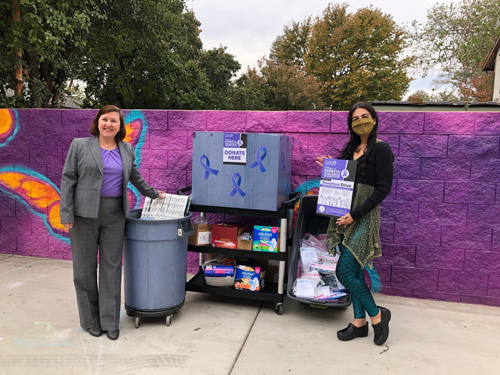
{"x": 357, "y": 56}
{"x": 44, "y": 44}
{"x": 335, "y": 60}
{"x": 422, "y": 96}
{"x": 455, "y": 42}
{"x": 247, "y": 92}
{"x": 291, "y": 47}
{"x": 132, "y": 53}
{"x": 220, "y": 68}
{"x": 144, "y": 54}
{"x": 288, "y": 87}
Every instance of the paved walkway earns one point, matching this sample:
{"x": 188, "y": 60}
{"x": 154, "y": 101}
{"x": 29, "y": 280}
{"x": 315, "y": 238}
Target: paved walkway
{"x": 39, "y": 334}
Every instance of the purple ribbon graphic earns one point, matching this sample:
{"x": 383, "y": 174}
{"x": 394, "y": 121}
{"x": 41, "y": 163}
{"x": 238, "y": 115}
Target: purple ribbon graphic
{"x": 283, "y": 167}
{"x": 259, "y": 158}
{"x": 206, "y": 165}
{"x": 236, "y": 185}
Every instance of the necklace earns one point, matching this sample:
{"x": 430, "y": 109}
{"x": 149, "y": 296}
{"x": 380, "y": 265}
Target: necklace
{"x": 108, "y": 147}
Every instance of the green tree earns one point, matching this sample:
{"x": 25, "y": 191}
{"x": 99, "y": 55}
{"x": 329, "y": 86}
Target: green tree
{"x": 287, "y": 87}
{"x": 283, "y": 87}
{"x": 247, "y": 92}
{"x": 220, "y": 68}
{"x": 145, "y": 54}
{"x": 357, "y": 56}
{"x": 455, "y": 42}
{"x": 291, "y": 47}
{"x": 41, "y": 41}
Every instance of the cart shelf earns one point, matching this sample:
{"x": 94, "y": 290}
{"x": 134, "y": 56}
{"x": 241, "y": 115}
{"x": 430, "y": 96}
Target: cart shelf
{"x": 269, "y": 293}
{"x": 237, "y": 252}
{"x": 273, "y": 292}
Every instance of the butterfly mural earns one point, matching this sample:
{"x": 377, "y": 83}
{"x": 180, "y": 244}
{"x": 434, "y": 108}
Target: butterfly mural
{"x": 40, "y": 195}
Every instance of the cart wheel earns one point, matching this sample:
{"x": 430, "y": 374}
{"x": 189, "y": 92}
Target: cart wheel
{"x": 168, "y": 319}
{"x": 137, "y": 322}
{"x": 278, "y": 308}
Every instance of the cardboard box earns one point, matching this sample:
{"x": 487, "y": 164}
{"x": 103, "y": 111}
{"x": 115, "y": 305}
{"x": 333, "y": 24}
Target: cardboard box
{"x": 272, "y": 269}
{"x": 226, "y": 235}
{"x": 257, "y": 177}
{"x": 202, "y": 235}
{"x": 245, "y": 244}
{"x": 249, "y": 277}
{"x": 266, "y": 238}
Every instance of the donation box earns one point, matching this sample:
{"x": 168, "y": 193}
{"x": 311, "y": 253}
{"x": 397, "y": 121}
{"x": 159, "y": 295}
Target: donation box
{"x": 241, "y": 170}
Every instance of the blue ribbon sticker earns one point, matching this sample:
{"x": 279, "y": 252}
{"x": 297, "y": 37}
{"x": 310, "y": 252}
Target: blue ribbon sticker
{"x": 283, "y": 167}
{"x": 206, "y": 165}
{"x": 259, "y": 158}
{"x": 236, "y": 185}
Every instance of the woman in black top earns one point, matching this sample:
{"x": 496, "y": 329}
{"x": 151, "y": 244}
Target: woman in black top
{"x": 357, "y": 232}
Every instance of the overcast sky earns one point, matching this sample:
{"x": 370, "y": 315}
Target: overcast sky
{"x": 248, "y": 27}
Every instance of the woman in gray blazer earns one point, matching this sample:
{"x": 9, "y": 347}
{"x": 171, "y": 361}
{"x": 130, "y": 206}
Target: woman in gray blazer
{"x": 94, "y": 205}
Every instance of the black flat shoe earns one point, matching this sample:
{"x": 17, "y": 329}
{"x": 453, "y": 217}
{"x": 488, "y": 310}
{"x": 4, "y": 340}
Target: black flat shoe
{"x": 95, "y": 331}
{"x": 382, "y": 329}
{"x": 351, "y": 332}
{"x": 113, "y": 335}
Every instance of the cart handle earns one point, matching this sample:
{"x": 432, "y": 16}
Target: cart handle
{"x": 289, "y": 204}
{"x": 183, "y": 190}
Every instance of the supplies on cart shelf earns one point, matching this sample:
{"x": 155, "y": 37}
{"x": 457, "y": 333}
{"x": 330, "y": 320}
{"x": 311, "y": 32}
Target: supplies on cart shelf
{"x": 316, "y": 272}
{"x": 219, "y": 271}
{"x": 170, "y": 207}
{"x": 226, "y": 235}
{"x": 266, "y": 238}
{"x": 245, "y": 241}
{"x": 250, "y": 277}
{"x": 202, "y": 235}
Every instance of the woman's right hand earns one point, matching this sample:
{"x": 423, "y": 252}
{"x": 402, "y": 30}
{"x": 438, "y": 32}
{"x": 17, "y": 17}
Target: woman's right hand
{"x": 319, "y": 159}
{"x": 68, "y": 226}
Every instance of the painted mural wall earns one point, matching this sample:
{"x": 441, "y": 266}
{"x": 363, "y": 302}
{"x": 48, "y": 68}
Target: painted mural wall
{"x": 440, "y": 225}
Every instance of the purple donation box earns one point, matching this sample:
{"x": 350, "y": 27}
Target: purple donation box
{"x": 241, "y": 170}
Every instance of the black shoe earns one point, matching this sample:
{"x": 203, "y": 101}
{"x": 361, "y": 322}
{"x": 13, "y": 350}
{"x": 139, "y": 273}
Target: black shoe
{"x": 95, "y": 331}
{"x": 382, "y": 329}
{"x": 113, "y": 335}
{"x": 351, "y": 332}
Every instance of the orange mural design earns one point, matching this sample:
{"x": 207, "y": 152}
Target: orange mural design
{"x": 9, "y": 125}
{"x": 39, "y": 194}
{"x": 133, "y": 132}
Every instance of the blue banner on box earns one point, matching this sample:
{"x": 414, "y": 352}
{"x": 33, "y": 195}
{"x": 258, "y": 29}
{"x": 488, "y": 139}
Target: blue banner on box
{"x": 336, "y": 187}
{"x": 241, "y": 170}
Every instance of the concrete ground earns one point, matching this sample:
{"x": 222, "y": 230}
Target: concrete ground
{"x": 40, "y": 334}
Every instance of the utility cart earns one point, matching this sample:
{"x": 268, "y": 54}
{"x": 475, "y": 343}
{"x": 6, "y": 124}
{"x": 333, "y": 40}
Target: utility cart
{"x": 309, "y": 222}
{"x": 272, "y": 292}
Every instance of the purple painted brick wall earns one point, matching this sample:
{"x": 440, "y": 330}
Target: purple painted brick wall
{"x": 440, "y": 224}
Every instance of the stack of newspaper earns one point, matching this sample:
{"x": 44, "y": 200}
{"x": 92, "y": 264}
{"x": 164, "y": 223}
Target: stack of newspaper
{"x": 170, "y": 207}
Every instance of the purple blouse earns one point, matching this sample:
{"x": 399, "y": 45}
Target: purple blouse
{"x": 112, "y": 180}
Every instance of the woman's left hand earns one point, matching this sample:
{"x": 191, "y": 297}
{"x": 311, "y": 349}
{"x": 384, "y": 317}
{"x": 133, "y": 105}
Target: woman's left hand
{"x": 345, "y": 220}
{"x": 161, "y": 194}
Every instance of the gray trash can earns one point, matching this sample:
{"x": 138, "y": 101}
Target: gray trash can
{"x": 155, "y": 266}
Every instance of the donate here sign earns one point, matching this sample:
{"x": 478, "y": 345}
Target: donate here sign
{"x": 234, "y": 150}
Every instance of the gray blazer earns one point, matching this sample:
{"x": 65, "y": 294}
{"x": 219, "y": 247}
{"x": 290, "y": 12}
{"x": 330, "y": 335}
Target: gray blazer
{"x": 82, "y": 179}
